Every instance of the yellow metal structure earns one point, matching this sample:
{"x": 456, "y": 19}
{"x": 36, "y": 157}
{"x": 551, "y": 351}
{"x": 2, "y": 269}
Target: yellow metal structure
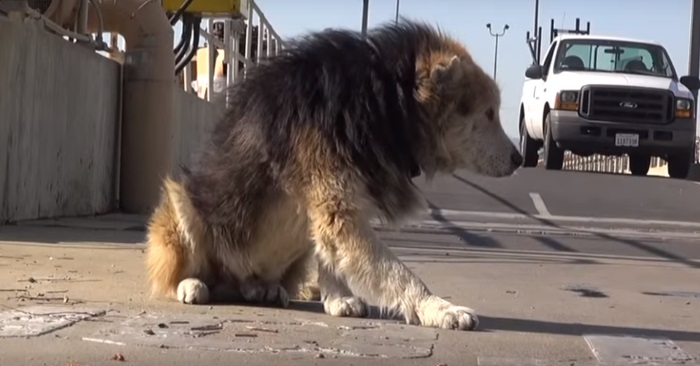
{"x": 230, "y": 8}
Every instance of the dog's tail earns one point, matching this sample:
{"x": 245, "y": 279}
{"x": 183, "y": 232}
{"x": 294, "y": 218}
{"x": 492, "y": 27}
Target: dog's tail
{"x": 174, "y": 238}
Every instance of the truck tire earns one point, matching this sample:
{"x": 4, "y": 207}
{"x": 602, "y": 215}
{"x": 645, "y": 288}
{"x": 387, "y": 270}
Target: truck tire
{"x": 528, "y": 147}
{"x": 639, "y": 164}
{"x": 553, "y": 154}
{"x": 679, "y": 165}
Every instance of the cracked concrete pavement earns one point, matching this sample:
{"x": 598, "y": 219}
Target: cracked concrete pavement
{"x": 553, "y": 289}
{"x": 534, "y": 305}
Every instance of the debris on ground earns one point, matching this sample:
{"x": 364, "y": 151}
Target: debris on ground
{"x": 118, "y": 357}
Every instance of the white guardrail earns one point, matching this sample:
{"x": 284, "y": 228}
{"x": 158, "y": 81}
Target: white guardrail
{"x": 268, "y": 43}
{"x": 613, "y": 164}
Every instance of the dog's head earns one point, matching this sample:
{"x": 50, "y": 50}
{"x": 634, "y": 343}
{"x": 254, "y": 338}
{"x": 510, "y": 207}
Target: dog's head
{"x": 461, "y": 103}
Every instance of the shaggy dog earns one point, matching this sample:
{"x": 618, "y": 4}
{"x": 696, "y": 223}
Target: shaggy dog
{"x": 317, "y": 141}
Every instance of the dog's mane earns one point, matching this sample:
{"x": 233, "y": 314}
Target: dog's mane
{"x": 356, "y": 93}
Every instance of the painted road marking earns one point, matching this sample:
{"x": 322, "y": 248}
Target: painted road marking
{"x": 622, "y": 349}
{"x": 539, "y": 204}
{"x": 580, "y": 219}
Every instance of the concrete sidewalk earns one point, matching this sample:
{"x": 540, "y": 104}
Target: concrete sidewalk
{"x": 76, "y": 295}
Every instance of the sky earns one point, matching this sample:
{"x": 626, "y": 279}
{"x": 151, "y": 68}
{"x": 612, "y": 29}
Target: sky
{"x": 664, "y": 21}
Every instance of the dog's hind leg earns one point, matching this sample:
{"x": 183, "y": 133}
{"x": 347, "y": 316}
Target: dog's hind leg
{"x": 349, "y": 248}
{"x": 176, "y": 262}
{"x": 301, "y": 278}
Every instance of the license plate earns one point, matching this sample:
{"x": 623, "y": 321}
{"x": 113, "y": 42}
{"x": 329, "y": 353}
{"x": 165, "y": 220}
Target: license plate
{"x": 627, "y": 139}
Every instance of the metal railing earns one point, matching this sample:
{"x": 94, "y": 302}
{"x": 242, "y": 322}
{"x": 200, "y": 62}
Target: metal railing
{"x": 236, "y": 59}
{"x": 613, "y": 164}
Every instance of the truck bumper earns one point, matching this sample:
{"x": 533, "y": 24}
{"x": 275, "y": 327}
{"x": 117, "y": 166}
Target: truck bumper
{"x": 583, "y": 136}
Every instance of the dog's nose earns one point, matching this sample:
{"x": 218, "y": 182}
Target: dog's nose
{"x": 516, "y": 158}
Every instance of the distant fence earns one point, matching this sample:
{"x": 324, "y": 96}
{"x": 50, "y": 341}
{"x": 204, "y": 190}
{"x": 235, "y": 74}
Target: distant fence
{"x": 613, "y": 164}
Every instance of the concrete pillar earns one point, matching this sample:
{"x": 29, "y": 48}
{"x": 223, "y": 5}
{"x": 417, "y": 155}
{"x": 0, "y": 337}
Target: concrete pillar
{"x": 148, "y": 89}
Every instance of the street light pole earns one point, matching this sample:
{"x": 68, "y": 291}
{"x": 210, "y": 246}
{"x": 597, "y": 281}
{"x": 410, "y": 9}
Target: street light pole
{"x": 495, "y": 56}
{"x": 694, "y": 54}
{"x": 365, "y": 12}
{"x": 397, "y": 11}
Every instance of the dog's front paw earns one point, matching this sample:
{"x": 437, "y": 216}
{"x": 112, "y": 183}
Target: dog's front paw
{"x": 192, "y": 291}
{"x": 439, "y": 313}
{"x": 347, "y": 306}
{"x": 458, "y": 318}
{"x": 272, "y": 294}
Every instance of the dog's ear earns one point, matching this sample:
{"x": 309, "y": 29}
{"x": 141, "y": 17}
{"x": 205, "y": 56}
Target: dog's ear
{"x": 445, "y": 72}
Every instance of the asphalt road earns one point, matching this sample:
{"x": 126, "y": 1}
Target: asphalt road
{"x": 564, "y": 211}
{"x": 570, "y": 193}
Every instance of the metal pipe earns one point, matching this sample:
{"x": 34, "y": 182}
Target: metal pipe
{"x": 188, "y": 39}
{"x": 148, "y": 88}
{"x": 537, "y": 16}
{"x": 212, "y": 60}
{"x": 83, "y": 17}
{"x": 186, "y": 30}
{"x": 227, "y": 51}
{"x": 180, "y": 11}
{"x": 192, "y": 51}
{"x": 249, "y": 35}
{"x": 258, "y": 52}
{"x": 233, "y": 67}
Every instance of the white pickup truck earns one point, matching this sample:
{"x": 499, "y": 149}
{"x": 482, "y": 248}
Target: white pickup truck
{"x": 608, "y": 96}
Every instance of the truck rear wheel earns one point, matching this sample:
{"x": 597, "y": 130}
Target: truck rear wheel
{"x": 639, "y": 164}
{"x": 528, "y": 147}
{"x": 679, "y": 165}
{"x": 553, "y": 154}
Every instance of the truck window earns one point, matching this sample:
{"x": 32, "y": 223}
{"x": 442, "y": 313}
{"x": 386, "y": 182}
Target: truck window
{"x": 613, "y": 56}
{"x": 548, "y": 59}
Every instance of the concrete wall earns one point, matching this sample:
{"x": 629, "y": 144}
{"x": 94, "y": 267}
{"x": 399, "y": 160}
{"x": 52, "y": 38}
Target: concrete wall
{"x": 194, "y": 118}
{"x": 59, "y": 112}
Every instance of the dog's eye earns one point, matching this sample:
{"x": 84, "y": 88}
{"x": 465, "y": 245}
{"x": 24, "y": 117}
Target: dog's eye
{"x": 490, "y": 114}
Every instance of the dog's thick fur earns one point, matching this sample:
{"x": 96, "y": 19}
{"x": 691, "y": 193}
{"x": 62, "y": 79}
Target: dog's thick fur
{"x": 318, "y": 140}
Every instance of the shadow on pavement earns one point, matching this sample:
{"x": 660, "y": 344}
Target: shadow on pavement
{"x": 557, "y": 245}
{"x": 311, "y": 307}
{"x": 490, "y": 324}
{"x": 423, "y": 251}
{"x": 470, "y": 238}
{"x": 47, "y": 234}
